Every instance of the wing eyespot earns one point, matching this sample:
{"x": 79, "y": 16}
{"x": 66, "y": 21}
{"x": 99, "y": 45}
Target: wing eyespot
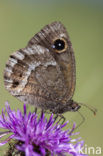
{"x": 60, "y": 45}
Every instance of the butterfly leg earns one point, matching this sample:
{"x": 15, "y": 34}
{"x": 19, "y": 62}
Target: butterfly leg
{"x": 83, "y": 120}
{"x": 62, "y": 118}
{"x": 35, "y": 110}
{"x": 50, "y": 113}
{"x": 55, "y": 118}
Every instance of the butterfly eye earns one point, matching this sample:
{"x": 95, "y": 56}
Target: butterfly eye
{"x": 60, "y": 45}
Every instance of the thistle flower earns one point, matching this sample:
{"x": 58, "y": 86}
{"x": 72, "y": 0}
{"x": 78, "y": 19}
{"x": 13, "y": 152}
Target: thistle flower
{"x": 37, "y": 136}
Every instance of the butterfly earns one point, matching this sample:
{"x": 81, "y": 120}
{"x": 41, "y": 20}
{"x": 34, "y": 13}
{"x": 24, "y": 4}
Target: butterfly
{"x": 43, "y": 73}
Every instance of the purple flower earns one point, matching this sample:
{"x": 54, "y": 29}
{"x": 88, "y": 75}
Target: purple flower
{"x": 37, "y": 135}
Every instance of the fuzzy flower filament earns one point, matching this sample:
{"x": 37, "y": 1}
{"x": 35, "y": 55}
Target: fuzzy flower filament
{"x": 37, "y": 136}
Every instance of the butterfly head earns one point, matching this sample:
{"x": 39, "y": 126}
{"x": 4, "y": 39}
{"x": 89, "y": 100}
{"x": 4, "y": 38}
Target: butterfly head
{"x": 74, "y": 106}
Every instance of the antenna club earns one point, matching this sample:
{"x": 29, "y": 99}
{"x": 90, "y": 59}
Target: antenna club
{"x": 95, "y": 113}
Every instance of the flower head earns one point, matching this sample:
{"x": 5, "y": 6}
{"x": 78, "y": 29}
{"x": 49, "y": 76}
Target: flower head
{"x": 38, "y": 136}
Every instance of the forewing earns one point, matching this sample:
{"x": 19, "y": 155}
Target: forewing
{"x": 65, "y": 60}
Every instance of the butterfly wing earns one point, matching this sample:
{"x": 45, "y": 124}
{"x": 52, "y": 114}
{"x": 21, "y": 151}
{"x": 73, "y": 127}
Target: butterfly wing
{"x": 31, "y": 75}
{"x": 65, "y": 60}
{"x": 37, "y": 74}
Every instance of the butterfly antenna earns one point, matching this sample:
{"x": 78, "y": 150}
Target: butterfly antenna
{"x": 94, "y": 110}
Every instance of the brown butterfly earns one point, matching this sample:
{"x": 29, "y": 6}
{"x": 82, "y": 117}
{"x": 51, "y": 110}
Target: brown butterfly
{"x": 43, "y": 73}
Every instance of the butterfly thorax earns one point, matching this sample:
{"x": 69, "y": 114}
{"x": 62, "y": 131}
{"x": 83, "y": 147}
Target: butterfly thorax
{"x": 64, "y": 107}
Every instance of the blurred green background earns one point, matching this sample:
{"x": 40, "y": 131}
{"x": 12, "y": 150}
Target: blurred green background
{"x": 20, "y": 20}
